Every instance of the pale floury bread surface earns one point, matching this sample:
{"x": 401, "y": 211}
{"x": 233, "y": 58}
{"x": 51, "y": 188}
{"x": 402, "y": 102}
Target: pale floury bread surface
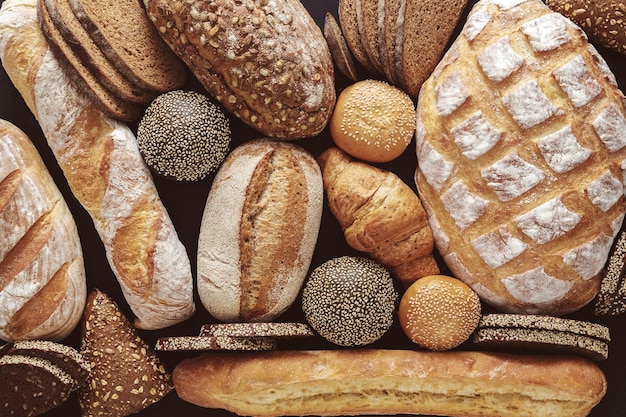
{"x": 42, "y": 275}
{"x": 259, "y": 230}
{"x": 521, "y": 151}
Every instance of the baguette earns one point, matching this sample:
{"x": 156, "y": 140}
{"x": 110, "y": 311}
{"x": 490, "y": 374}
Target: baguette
{"x": 104, "y": 169}
{"x": 378, "y": 382}
{"x": 42, "y": 274}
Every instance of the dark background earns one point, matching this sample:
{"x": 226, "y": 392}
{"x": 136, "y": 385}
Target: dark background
{"x": 185, "y": 203}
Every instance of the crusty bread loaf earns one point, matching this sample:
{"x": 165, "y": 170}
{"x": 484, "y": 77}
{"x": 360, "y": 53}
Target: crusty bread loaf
{"x": 379, "y": 214}
{"x": 521, "y": 138}
{"x": 104, "y": 170}
{"x": 259, "y": 230}
{"x": 379, "y": 382}
{"x": 42, "y": 275}
{"x": 267, "y": 64}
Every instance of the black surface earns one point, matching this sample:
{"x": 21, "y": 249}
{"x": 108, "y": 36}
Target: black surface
{"x": 185, "y": 203}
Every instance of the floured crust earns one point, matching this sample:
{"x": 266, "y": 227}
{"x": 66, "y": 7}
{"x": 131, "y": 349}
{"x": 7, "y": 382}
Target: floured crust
{"x": 520, "y": 145}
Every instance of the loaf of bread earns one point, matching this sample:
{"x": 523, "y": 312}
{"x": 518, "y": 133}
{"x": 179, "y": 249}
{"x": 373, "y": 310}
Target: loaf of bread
{"x": 379, "y": 214}
{"x": 259, "y": 230}
{"x": 42, "y": 275}
{"x": 521, "y": 147}
{"x": 104, "y": 170}
{"x": 380, "y": 382}
{"x": 267, "y": 63}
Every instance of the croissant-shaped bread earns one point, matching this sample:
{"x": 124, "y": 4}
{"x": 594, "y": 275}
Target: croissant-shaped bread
{"x": 379, "y": 214}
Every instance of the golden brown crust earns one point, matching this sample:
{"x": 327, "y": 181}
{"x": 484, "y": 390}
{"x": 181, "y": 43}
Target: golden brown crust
{"x": 332, "y": 382}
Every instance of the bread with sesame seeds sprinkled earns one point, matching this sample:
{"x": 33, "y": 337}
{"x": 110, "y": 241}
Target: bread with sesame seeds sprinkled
{"x": 611, "y": 299}
{"x": 267, "y": 62}
{"x": 126, "y": 375}
{"x": 350, "y": 301}
{"x": 183, "y": 136}
{"x": 379, "y": 214}
{"x": 439, "y": 312}
{"x": 373, "y": 121}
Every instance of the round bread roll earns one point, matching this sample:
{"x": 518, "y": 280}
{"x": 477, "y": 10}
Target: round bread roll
{"x": 183, "y": 136}
{"x": 373, "y": 121}
{"x": 439, "y": 312}
{"x": 350, "y": 301}
{"x": 258, "y": 231}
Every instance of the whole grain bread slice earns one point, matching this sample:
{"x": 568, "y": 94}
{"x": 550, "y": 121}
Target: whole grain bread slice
{"x": 127, "y": 37}
{"x": 389, "y": 33}
{"x": 126, "y": 375}
{"x": 80, "y": 75}
{"x": 368, "y": 25}
{"x": 426, "y": 30}
{"x": 90, "y": 55}
{"x": 348, "y": 21}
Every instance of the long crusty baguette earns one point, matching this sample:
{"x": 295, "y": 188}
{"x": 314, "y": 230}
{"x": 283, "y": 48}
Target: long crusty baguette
{"x": 104, "y": 169}
{"x": 380, "y": 382}
{"x": 42, "y": 275}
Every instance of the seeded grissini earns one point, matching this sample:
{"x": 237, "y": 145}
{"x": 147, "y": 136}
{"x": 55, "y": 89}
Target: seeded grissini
{"x": 104, "y": 169}
{"x": 274, "y": 72}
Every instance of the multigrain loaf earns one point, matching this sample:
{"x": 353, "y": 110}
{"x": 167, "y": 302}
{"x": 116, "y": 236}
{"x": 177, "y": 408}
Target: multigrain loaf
{"x": 388, "y": 33}
{"x": 104, "y": 169}
{"x": 348, "y": 20}
{"x": 267, "y": 63}
{"x": 259, "y": 229}
{"x": 368, "y": 23}
{"x": 146, "y": 60}
{"x": 521, "y": 145}
{"x": 383, "y": 381}
{"x": 42, "y": 275}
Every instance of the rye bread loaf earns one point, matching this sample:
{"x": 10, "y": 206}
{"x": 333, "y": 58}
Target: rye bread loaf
{"x": 266, "y": 63}
{"x": 521, "y": 143}
{"x": 42, "y": 275}
{"x": 259, "y": 230}
{"x": 348, "y": 20}
{"x": 368, "y": 24}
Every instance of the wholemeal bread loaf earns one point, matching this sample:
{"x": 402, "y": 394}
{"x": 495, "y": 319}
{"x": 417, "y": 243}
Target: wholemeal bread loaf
{"x": 104, "y": 170}
{"x": 380, "y": 382}
{"x": 42, "y": 275}
{"x": 258, "y": 231}
{"x": 267, "y": 64}
{"x": 521, "y": 148}
{"x": 348, "y": 11}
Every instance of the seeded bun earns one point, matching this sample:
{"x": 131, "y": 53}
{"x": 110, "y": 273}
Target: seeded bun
{"x": 373, "y": 121}
{"x": 183, "y": 136}
{"x": 350, "y": 301}
{"x": 439, "y": 312}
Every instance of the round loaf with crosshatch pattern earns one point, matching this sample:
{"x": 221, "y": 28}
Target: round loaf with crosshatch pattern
{"x": 521, "y": 147}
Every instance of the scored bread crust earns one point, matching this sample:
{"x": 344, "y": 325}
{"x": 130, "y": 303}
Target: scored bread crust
{"x": 106, "y": 174}
{"x": 267, "y": 64}
{"x": 521, "y": 148}
{"x": 42, "y": 275}
{"x": 382, "y": 381}
{"x": 259, "y": 229}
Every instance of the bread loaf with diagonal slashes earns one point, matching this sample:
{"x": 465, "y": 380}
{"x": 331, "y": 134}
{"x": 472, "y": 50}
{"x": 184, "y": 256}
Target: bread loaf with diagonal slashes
{"x": 521, "y": 147}
{"x": 42, "y": 275}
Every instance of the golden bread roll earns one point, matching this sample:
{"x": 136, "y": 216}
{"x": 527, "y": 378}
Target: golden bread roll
{"x": 521, "y": 147}
{"x": 382, "y": 381}
{"x": 379, "y": 214}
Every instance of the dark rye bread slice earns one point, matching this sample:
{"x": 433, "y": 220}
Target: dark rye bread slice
{"x": 426, "y": 29}
{"x": 80, "y": 76}
{"x": 126, "y": 375}
{"x": 389, "y": 33}
{"x": 127, "y": 37}
{"x": 368, "y": 27}
{"x": 31, "y": 386}
{"x": 81, "y": 43}
{"x": 350, "y": 27}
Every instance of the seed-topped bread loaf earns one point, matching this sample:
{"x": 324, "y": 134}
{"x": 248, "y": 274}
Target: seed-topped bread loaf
{"x": 521, "y": 143}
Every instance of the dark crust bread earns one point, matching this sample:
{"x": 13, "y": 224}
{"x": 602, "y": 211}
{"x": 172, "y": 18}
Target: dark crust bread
{"x": 339, "y": 50}
{"x": 348, "y": 21}
{"x": 269, "y": 67}
{"x": 126, "y": 375}
{"x": 257, "y": 329}
{"x": 200, "y": 343}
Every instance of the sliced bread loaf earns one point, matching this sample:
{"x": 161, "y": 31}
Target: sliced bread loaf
{"x": 91, "y": 56}
{"x": 123, "y": 32}
{"x": 368, "y": 26}
{"x": 350, "y": 27}
{"x": 389, "y": 33}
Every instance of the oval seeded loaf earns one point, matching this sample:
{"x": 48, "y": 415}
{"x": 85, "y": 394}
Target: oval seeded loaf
{"x": 521, "y": 145}
{"x": 259, "y": 230}
{"x": 267, "y": 63}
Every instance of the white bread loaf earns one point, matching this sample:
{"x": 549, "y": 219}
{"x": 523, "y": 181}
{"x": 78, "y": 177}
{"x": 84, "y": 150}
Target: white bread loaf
{"x": 42, "y": 275}
{"x": 259, "y": 230}
{"x": 382, "y": 382}
{"x": 106, "y": 173}
{"x": 521, "y": 147}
